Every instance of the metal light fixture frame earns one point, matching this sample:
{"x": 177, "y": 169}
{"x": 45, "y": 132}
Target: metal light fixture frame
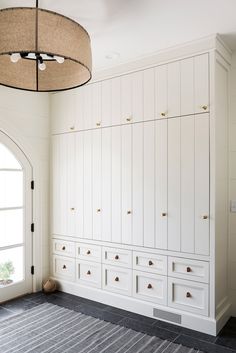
{"x": 49, "y": 33}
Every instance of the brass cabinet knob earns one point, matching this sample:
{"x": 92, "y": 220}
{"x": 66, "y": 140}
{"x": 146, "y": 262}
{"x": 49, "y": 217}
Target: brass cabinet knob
{"x": 188, "y": 269}
{"x": 72, "y": 128}
{"x": 98, "y": 210}
{"x": 64, "y": 267}
{"x": 98, "y": 123}
{"x": 117, "y": 279}
{"x": 63, "y": 248}
{"x": 204, "y": 217}
{"x": 88, "y": 252}
{"x": 188, "y": 295}
{"x": 72, "y": 208}
{"x": 129, "y": 212}
{"x": 89, "y": 272}
{"x": 204, "y": 107}
{"x": 117, "y": 257}
{"x": 129, "y": 118}
{"x": 163, "y": 114}
{"x": 150, "y": 263}
{"x": 164, "y": 214}
{"x": 149, "y": 286}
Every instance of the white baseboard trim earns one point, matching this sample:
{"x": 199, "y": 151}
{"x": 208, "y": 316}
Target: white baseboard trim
{"x": 195, "y": 322}
{"x": 224, "y": 312}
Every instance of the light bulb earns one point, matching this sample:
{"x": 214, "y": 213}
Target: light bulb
{"x": 42, "y": 66}
{"x": 59, "y": 59}
{"x": 15, "y": 57}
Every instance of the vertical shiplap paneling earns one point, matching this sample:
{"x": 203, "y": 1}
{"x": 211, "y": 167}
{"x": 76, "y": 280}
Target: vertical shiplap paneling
{"x": 187, "y": 184}
{"x": 161, "y": 174}
{"x": 71, "y": 184}
{"x": 137, "y": 96}
{"x": 161, "y": 93}
{"x": 174, "y": 89}
{"x": 202, "y": 184}
{"x": 97, "y": 182}
{"x": 96, "y": 104}
{"x": 126, "y": 99}
{"x": 174, "y": 206}
{"x": 126, "y": 158}
{"x": 79, "y": 108}
{"x": 116, "y": 184}
{"x": 187, "y": 86}
{"x": 63, "y": 112}
{"x": 201, "y": 79}
{"x": 56, "y": 196}
{"x": 65, "y": 208}
{"x": 106, "y": 185}
{"x": 137, "y": 183}
{"x": 115, "y": 101}
{"x": 88, "y": 107}
{"x": 149, "y": 184}
{"x": 88, "y": 219}
{"x": 106, "y": 103}
{"x": 79, "y": 190}
{"x": 149, "y": 94}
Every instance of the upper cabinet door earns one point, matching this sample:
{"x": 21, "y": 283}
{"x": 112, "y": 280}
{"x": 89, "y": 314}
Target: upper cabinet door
{"x": 161, "y": 94}
{"x": 201, "y": 82}
{"x": 187, "y": 86}
{"x": 173, "y": 89}
{"x": 106, "y": 103}
{"x": 96, "y": 105}
{"x": 149, "y": 94}
{"x": 126, "y": 99}
{"x": 63, "y": 112}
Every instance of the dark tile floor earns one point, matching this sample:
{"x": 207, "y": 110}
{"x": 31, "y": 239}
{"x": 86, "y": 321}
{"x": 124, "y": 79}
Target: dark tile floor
{"x": 225, "y": 342}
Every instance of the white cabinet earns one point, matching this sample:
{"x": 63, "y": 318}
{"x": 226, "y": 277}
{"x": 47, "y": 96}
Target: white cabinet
{"x": 193, "y": 270}
{"x": 88, "y": 273}
{"x": 63, "y": 112}
{"x": 63, "y": 267}
{"x": 96, "y": 183}
{"x": 150, "y": 262}
{"x": 173, "y": 82}
{"x": 201, "y": 82}
{"x": 117, "y": 279}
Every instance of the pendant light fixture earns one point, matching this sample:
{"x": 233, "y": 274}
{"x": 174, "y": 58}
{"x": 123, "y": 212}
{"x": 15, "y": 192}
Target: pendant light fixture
{"x": 42, "y": 51}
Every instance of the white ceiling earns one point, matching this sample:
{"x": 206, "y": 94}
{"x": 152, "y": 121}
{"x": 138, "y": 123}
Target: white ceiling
{"x": 135, "y": 28}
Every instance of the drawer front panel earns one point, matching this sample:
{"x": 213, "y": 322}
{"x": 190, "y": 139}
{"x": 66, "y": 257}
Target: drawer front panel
{"x": 150, "y": 262}
{"x": 64, "y": 248}
{"x": 117, "y": 279}
{"x": 88, "y": 273}
{"x": 188, "y": 269}
{"x": 188, "y": 296}
{"x": 64, "y": 267}
{"x": 88, "y": 252}
{"x": 117, "y": 257}
{"x": 150, "y": 287}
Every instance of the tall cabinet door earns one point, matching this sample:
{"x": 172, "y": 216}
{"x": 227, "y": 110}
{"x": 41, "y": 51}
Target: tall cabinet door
{"x": 161, "y": 168}
{"x": 126, "y": 157}
{"x": 96, "y": 182}
{"x": 201, "y": 78}
{"x": 88, "y": 212}
{"x": 64, "y": 185}
{"x": 79, "y": 185}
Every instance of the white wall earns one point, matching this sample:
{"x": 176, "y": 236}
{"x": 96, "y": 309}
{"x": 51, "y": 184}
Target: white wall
{"x": 232, "y": 186}
{"x": 24, "y": 116}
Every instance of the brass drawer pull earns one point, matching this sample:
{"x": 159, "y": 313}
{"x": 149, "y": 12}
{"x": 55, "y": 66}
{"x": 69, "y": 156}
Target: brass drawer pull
{"x": 64, "y": 267}
{"x": 188, "y": 295}
{"x": 204, "y": 107}
{"x": 63, "y": 248}
{"x": 129, "y": 118}
{"x": 72, "y": 127}
{"x": 188, "y": 269}
{"x": 149, "y": 286}
{"x": 150, "y": 263}
{"x": 204, "y": 217}
{"x": 163, "y": 114}
{"x": 89, "y": 272}
{"x": 88, "y": 252}
{"x": 98, "y": 123}
{"x": 117, "y": 257}
{"x": 117, "y": 279}
{"x": 164, "y": 214}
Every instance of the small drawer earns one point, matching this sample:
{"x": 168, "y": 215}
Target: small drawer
{"x": 117, "y": 257}
{"x": 88, "y": 252}
{"x": 188, "y": 269}
{"x": 88, "y": 273}
{"x": 150, "y": 263}
{"x": 188, "y": 296}
{"x": 117, "y": 279}
{"x": 64, "y": 248}
{"x": 150, "y": 287}
{"x": 64, "y": 267}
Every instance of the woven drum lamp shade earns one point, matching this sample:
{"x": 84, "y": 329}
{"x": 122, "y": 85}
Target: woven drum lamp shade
{"x": 34, "y": 30}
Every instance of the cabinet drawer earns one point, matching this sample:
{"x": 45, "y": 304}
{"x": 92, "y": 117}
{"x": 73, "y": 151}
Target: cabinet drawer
{"x": 88, "y": 273}
{"x": 150, "y": 287}
{"x": 117, "y": 257}
{"x": 188, "y": 269}
{"x": 188, "y": 296}
{"x": 64, "y": 248}
{"x": 117, "y": 279}
{"x": 64, "y": 267}
{"x": 88, "y": 252}
{"x": 150, "y": 262}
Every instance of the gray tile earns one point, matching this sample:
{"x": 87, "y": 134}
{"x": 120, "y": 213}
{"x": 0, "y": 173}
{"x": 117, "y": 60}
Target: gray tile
{"x": 18, "y": 306}
{"x": 227, "y": 338}
{"x": 5, "y": 314}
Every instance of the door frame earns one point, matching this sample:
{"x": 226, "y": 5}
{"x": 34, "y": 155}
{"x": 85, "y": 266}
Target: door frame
{"x": 26, "y": 286}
